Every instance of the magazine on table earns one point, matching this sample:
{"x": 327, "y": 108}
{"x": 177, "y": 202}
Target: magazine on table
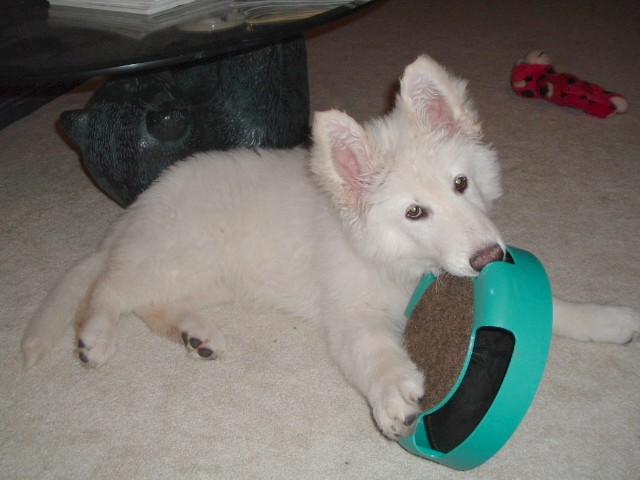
{"x": 250, "y": 7}
{"x": 138, "y": 18}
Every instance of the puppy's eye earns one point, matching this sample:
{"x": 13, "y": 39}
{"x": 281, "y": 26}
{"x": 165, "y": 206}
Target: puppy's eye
{"x": 460, "y": 183}
{"x": 414, "y": 212}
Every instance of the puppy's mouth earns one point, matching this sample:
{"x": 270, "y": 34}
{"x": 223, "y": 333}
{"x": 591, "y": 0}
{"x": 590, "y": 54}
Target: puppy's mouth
{"x": 480, "y": 259}
{"x": 487, "y": 255}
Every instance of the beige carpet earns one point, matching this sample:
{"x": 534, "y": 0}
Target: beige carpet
{"x": 275, "y": 407}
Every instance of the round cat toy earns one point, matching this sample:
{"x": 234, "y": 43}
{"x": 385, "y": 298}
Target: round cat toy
{"x": 482, "y": 343}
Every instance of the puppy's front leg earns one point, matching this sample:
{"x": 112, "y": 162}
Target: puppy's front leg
{"x": 589, "y": 322}
{"x": 368, "y": 348}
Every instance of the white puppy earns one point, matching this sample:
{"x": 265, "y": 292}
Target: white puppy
{"x": 341, "y": 234}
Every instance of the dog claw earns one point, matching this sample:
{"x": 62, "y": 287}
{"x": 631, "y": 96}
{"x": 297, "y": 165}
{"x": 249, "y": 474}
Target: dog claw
{"x": 408, "y": 421}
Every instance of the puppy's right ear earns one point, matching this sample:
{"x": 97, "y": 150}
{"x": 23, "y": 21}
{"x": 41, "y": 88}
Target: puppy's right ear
{"x": 342, "y": 157}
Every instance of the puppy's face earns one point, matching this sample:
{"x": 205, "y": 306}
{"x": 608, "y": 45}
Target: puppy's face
{"x": 414, "y": 187}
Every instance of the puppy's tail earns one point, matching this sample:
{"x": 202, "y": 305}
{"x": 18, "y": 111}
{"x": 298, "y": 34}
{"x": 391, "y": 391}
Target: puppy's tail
{"x": 59, "y": 307}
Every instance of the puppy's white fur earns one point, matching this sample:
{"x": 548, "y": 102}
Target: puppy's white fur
{"x": 324, "y": 234}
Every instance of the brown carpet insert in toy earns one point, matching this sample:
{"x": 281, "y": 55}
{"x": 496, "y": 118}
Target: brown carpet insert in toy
{"x": 438, "y": 333}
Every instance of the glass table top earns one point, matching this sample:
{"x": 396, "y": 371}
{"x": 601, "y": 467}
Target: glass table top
{"x": 42, "y": 42}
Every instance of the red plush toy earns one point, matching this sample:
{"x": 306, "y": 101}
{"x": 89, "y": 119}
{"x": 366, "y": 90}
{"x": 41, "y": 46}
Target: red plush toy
{"x": 535, "y": 77}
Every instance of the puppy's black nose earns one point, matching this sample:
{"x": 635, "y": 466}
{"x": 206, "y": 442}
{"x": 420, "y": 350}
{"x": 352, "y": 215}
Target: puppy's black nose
{"x": 484, "y": 257}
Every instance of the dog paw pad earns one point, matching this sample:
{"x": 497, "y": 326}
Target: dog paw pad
{"x": 94, "y": 352}
{"x": 198, "y": 348}
{"x": 205, "y": 352}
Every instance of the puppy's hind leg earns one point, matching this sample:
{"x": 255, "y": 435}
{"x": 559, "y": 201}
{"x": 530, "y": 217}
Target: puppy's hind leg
{"x": 181, "y": 323}
{"x": 60, "y": 307}
{"x": 97, "y": 326}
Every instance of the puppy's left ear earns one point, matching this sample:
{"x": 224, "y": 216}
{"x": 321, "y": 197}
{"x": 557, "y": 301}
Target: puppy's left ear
{"x": 437, "y": 100}
{"x": 342, "y": 157}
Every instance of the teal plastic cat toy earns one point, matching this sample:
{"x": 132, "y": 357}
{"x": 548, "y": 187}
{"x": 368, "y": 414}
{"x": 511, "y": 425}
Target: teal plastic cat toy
{"x": 510, "y": 336}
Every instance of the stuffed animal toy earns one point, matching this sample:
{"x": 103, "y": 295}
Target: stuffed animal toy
{"x": 536, "y": 77}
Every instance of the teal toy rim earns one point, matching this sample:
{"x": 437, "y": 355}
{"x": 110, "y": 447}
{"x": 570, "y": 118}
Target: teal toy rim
{"x": 508, "y": 350}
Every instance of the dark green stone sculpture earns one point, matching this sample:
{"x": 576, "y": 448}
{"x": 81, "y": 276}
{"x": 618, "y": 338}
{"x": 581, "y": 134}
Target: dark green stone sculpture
{"x": 134, "y": 127}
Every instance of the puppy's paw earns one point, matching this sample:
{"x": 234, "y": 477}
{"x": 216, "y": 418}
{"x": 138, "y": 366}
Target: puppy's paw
{"x": 397, "y": 402}
{"x": 621, "y": 326}
{"x": 95, "y": 350}
{"x": 596, "y": 323}
{"x": 202, "y": 341}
